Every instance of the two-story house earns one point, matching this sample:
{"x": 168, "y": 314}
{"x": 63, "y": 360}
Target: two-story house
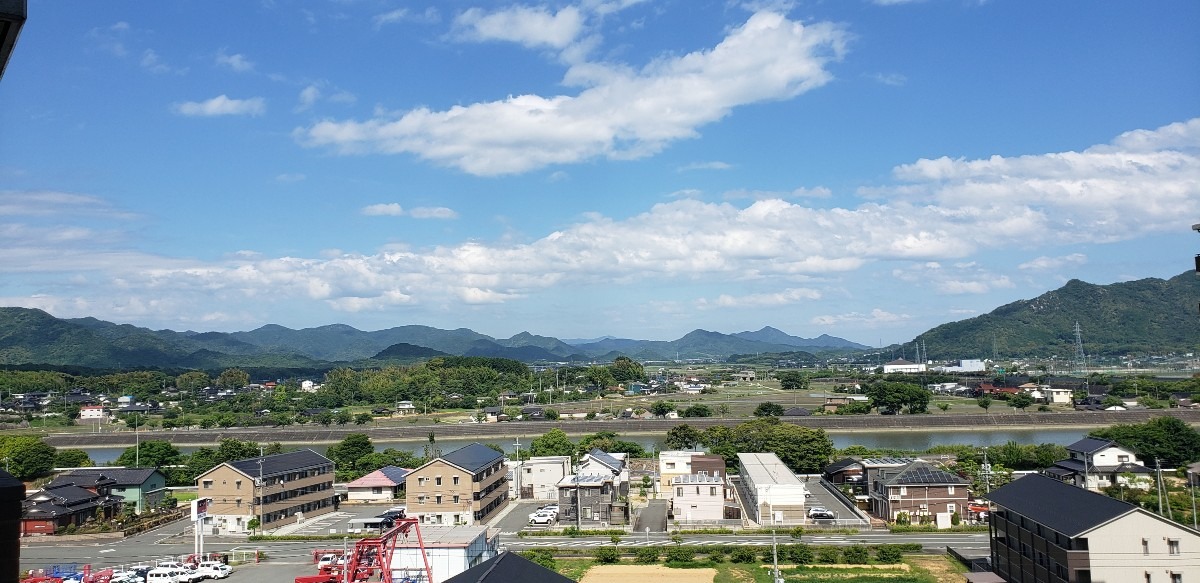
{"x": 145, "y": 488}
{"x": 276, "y": 489}
{"x": 1100, "y": 463}
{"x": 614, "y": 464}
{"x": 590, "y": 499}
{"x": 698, "y": 498}
{"x": 1047, "y": 531}
{"x": 537, "y": 477}
{"x": 465, "y": 486}
{"x": 919, "y": 490}
{"x": 672, "y": 464}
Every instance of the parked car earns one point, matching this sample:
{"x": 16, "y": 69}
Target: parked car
{"x": 163, "y": 575}
{"x": 541, "y": 518}
{"x": 214, "y": 569}
{"x": 826, "y": 515}
{"x": 549, "y": 508}
{"x": 817, "y": 510}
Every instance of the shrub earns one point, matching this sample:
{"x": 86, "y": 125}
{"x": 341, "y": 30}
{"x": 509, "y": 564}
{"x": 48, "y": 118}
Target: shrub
{"x": 798, "y": 554}
{"x": 903, "y": 519}
{"x": 888, "y": 554}
{"x": 571, "y": 531}
{"x": 607, "y": 555}
{"x": 955, "y": 519}
{"x": 828, "y": 555}
{"x": 742, "y": 555}
{"x": 542, "y": 557}
{"x": 856, "y": 555}
{"x": 645, "y": 555}
{"x": 680, "y": 554}
{"x": 797, "y": 532}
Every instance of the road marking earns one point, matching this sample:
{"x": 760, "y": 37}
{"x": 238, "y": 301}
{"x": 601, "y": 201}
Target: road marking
{"x": 108, "y": 550}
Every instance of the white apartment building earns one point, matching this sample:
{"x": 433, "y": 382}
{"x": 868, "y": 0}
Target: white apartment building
{"x": 537, "y": 478}
{"x": 697, "y": 498}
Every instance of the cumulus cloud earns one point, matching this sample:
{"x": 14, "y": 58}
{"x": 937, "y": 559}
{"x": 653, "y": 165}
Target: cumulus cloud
{"x": 390, "y": 209}
{"x": 432, "y": 212}
{"x": 429, "y": 15}
{"x": 954, "y": 279}
{"x": 308, "y": 96}
{"x": 1044, "y": 263}
{"x": 222, "y": 105}
{"x": 876, "y": 316}
{"x": 235, "y": 62}
{"x": 715, "y": 165}
{"x": 152, "y": 62}
{"x": 781, "y": 298}
{"x": 528, "y": 26}
{"x": 620, "y": 113}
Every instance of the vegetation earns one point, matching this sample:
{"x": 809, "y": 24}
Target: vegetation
{"x": 1171, "y": 441}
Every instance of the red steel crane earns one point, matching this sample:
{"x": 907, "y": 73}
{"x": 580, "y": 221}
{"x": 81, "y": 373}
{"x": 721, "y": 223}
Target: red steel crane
{"x": 374, "y": 554}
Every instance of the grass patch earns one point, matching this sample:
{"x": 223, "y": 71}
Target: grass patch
{"x": 185, "y": 496}
{"x": 573, "y": 569}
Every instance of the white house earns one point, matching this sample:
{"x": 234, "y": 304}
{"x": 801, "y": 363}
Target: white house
{"x": 697, "y": 497}
{"x": 93, "y": 414}
{"x": 309, "y": 386}
{"x": 672, "y": 464}
{"x": 776, "y": 494}
{"x": 450, "y": 550}
{"x": 382, "y": 485}
{"x": 1057, "y": 396}
{"x": 1100, "y": 463}
{"x": 538, "y": 477}
{"x": 405, "y": 408}
{"x": 901, "y": 365}
{"x": 599, "y": 462}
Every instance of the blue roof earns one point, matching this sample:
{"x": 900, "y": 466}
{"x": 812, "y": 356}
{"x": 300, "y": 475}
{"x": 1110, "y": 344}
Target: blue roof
{"x": 608, "y": 460}
{"x": 473, "y": 457}
{"x": 281, "y": 463}
{"x": 394, "y": 473}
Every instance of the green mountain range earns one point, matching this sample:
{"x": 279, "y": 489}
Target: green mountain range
{"x": 1143, "y": 316}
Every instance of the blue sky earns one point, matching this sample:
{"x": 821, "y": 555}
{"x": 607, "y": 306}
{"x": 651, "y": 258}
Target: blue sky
{"x": 601, "y": 167}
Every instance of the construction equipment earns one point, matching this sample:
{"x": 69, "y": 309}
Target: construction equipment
{"x": 373, "y": 555}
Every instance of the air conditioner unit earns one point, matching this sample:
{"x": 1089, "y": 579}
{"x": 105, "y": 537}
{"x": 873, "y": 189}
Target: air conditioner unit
{"x": 893, "y": 498}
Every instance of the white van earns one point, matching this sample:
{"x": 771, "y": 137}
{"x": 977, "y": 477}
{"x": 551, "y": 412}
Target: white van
{"x": 162, "y": 575}
{"x": 214, "y": 569}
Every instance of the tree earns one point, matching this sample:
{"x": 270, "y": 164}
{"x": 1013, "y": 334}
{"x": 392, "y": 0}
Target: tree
{"x": 27, "y": 457}
{"x": 984, "y": 402}
{"x": 363, "y": 419}
{"x": 625, "y": 369}
{"x": 1168, "y": 439}
{"x": 891, "y": 397}
{"x": 192, "y": 381}
{"x": 768, "y": 409}
{"x": 802, "y": 449}
{"x": 150, "y": 454}
{"x": 682, "y": 436}
{"x": 1020, "y": 401}
{"x": 543, "y": 557}
{"x": 697, "y": 410}
{"x": 551, "y": 414}
{"x": 661, "y": 408}
{"x": 607, "y": 555}
{"x": 343, "y": 417}
{"x": 233, "y": 378}
{"x": 347, "y": 452}
{"x": 599, "y": 377}
{"x": 72, "y": 458}
{"x": 792, "y": 381}
{"x": 553, "y": 442}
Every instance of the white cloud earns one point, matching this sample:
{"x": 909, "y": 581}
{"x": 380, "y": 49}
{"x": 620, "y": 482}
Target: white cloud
{"x": 893, "y": 79}
{"x": 877, "y": 316}
{"x": 222, "y": 105}
{"x": 527, "y": 26}
{"x": 955, "y": 279}
{"x": 429, "y": 16}
{"x": 764, "y": 300}
{"x": 294, "y": 177}
{"x": 236, "y": 62}
{"x": 619, "y": 114}
{"x": 715, "y": 165}
{"x": 154, "y": 63}
{"x": 437, "y": 212}
{"x": 801, "y": 192}
{"x": 308, "y": 96}
{"x": 384, "y": 209}
{"x": 1044, "y": 263}
{"x": 49, "y": 203}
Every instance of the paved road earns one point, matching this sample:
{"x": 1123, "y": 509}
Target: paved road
{"x": 653, "y": 516}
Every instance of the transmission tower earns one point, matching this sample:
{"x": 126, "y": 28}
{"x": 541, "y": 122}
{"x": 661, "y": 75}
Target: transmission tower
{"x": 1080, "y": 362}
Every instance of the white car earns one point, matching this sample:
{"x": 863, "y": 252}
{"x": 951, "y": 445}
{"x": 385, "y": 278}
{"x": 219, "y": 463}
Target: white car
{"x": 163, "y": 575}
{"x": 549, "y": 508}
{"x": 541, "y": 518}
{"x": 817, "y": 510}
{"x": 214, "y": 569}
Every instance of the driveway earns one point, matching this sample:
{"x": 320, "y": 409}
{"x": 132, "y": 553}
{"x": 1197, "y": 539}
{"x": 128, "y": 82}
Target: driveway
{"x": 517, "y": 517}
{"x": 653, "y": 516}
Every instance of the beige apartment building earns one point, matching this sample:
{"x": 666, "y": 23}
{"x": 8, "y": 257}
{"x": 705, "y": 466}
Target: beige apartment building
{"x": 465, "y": 486}
{"x": 291, "y": 486}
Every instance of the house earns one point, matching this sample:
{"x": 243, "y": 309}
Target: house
{"x": 918, "y": 490}
{"x": 796, "y": 412}
{"x": 505, "y": 568}
{"x": 774, "y": 492}
{"x": 533, "y": 413}
{"x": 902, "y": 366}
{"x": 1045, "y": 530}
{"x": 145, "y": 488}
{"x": 537, "y": 477}
{"x": 845, "y": 471}
{"x": 590, "y": 498}
{"x": 698, "y": 498}
{"x": 1057, "y": 395}
{"x": 382, "y": 485}
{"x": 276, "y": 489}
{"x": 495, "y": 414}
{"x": 599, "y": 462}
{"x": 450, "y": 550}
{"x": 671, "y": 464}
{"x": 68, "y": 503}
{"x": 1100, "y": 463}
{"x": 405, "y": 408}
{"x": 745, "y": 376}
{"x": 833, "y": 402}
{"x": 465, "y": 486}
{"x": 90, "y": 414}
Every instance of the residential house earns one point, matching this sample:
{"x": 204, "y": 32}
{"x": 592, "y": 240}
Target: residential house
{"x": 599, "y": 462}
{"x": 537, "y": 477}
{"x": 919, "y": 490}
{"x": 277, "y": 489}
{"x": 465, "y": 486}
{"x": 93, "y": 414}
{"x": 449, "y": 550}
{"x": 698, "y": 498}
{"x": 405, "y": 408}
{"x": 382, "y": 485}
{"x": 846, "y": 471}
{"x": 590, "y": 498}
{"x": 533, "y": 413}
{"x": 796, "y": 412}
{"x": 1057, "y": 395}
{"x": 63, "y": 504}
{"x": 1100, "y": 463}
{"x": 145, "y": 488}
{"x": 671, "y": 464}
{"x": 745, "y": 376}
{"x": 773, "y": 490}
{"x": 1047, "y": 531}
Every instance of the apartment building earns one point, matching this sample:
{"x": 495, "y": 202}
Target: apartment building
{"x": 277, "y": 489}
{"x": 465, "y": 486}
{"x": 773, "y": 491}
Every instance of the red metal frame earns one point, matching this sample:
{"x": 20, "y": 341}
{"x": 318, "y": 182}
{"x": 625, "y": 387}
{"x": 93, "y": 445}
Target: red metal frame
{"x": 375, "y": 554}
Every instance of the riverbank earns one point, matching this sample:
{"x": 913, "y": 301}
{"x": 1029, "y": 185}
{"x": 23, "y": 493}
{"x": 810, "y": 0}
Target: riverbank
{"x": 307, "y": 435}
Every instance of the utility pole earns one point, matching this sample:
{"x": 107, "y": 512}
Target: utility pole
{"x": 1158, "y": 473}
{"x": 137, "y": 444}
{"x": 985, "y": 470}
{"x": 517, "y": 471}
{"x": 262, "y": 499}
{"x": 775, "y": 559}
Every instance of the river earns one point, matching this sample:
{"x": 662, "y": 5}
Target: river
{"x": 914, "y": 440}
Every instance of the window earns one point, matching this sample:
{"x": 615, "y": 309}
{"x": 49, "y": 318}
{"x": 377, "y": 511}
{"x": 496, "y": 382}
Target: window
{"x": 237, "y": 485}
{"x": 455, "y": 480}
{"x": 437, "y": 499}
{"x": 903, "y": 490}
{"x": 377, "y": 490}
{"x": 1176, "y": 577}
{"x": 712, "y": 490}
{"x": 1172, "y": 546}
{"x": 207, "y": 484}
{"x": 1123, "y": 459}
{"x": 437, "y": 481}
{"x": 420, "y": 499}
{"x": 456, "y": 498}
{"x": 1146, "y": 549}
{"x": 951, "y": 508}
{"x": 421, "y": 481}
{"x": 679, "y": 491}
{"x": 670, "y": 465}
{"x": 950, "y": 489}
{"x": 1147, "y": 577}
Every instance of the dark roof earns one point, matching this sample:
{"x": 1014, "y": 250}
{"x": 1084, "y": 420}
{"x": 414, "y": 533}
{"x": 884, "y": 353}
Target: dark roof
{"x": 120, "y": 476}
{"x": 607, "y": 460}
{"x": 394, "y": 473}
{"x": 1067, "y": 509}
{"x": 1089, "y": 445}
{"x": 82, "y": 480}
{"x": 506, "y": 567}
{"x": 473, "y": 457}
{"x": 797, "y": 412}
{"x": 840, "y": 465}
{"x": 281, "y": 463}
{"x": 921, "y": 472}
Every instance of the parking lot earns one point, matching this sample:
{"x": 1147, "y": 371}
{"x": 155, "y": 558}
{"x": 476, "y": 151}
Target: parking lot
{"x": 335, "y": 522}
{"x": 518, "y": 517}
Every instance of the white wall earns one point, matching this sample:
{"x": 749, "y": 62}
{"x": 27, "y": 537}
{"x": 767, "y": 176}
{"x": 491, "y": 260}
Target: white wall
{"x": 445, "y": 561}
{"x": 697, "y": 501}
{"x": 1115, "y": 550}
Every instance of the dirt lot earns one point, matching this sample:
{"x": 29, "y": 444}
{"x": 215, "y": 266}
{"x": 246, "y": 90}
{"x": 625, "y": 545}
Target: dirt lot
{"x": 646, "y": 574}
{"x": 939, "y": 566}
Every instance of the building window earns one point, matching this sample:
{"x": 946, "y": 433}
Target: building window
{"x": 377, "y": 490}
{"x": 456, "y": 498}
{"x": 670, "y": 465}
{"x": 237, "y": 485}
{"x": 903, "y": 490}
{"x": 455, "y": 480}
{"x": 1123, "y": 459}
{"x": 1172, "y": 546}
{"x": 420, "y": 499}
{"x": 207, "y": 484}
{"x": 437, "y": 499}
{"x": 1176, "y": 577}
{"x": 712, "y": 490}
{"x": 437, "y": 481}
{"x": 679, "y": 491}
{"x": 1146, "y": 549}
{"x": 951, "y": 507}
{"x": 421, "y": 481}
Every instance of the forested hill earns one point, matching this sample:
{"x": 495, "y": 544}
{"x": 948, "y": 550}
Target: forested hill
{"x": 1147, "y": 315}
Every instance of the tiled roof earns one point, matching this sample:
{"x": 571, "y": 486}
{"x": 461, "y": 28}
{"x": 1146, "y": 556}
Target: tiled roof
{"x": 1064, "y": 508}
{"x": 840, "y": 465}
{"x": 506, "y": 567}
{"x": 473, "y": 457}
{"x": 82, "y": 480}
{"x": 281, "y": 463}
{"x": 921, "y": 472}
{"x": 387, "y": 476}
{"x": 1089, "y": 445}
{"x": 607, "y": 460}
{"x": 120, "y": 476}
